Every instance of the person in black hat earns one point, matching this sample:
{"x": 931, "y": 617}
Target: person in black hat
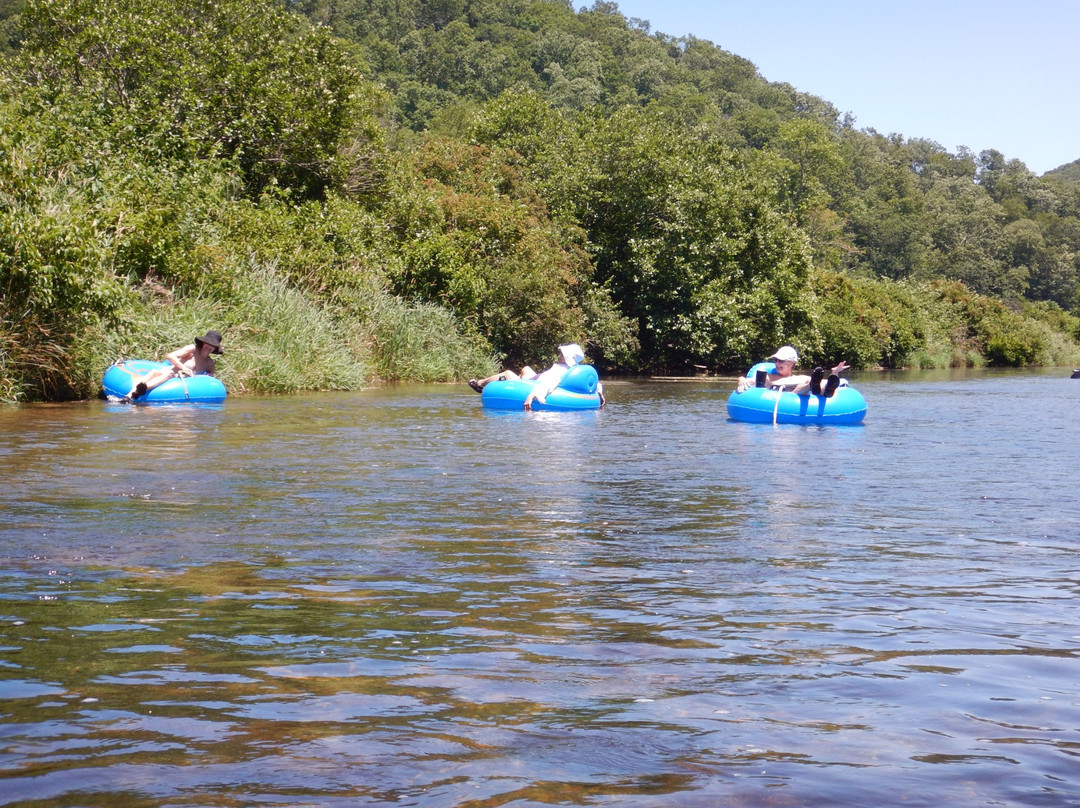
{"x": 191, "y": 360}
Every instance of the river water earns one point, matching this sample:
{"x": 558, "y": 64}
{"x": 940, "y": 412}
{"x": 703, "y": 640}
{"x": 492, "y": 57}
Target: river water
{"x": 395, "y": 597}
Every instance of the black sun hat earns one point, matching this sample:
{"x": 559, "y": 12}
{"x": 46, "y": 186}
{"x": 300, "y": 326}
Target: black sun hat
{"x": 210, "y": 338}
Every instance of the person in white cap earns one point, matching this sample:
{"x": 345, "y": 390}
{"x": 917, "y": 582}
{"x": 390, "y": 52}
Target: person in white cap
{"x": 547, "y": 381}
{"x": 783, "y": 376}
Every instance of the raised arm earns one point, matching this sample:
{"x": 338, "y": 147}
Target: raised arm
{"x": 181, "y": 355}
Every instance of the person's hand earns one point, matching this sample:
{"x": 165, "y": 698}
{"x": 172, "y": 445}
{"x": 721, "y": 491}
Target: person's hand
{"x": 528, "y": 402}
{"x": 841, "y": 367}
{"x": 740, "y": 386}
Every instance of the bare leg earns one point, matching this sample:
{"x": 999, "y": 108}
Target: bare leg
{"x": 145, "y": 384}
{"x": 799, "y": 385}
{"x": 501, "y": 376}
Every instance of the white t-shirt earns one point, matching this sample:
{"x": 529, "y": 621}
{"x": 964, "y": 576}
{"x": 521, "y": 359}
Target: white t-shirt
{"x": 549, "y": 380}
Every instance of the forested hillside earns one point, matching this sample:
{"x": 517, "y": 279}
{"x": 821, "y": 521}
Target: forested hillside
{"x": 355, "y": 190}
{"x": 1068, "y": 172}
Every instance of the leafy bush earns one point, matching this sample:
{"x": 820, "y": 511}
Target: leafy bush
{"x": 1014, "y": 347}
{"x": 55, "y": 258}
{"x": 477, "y": 239}
{"x": 1001, "y": 336}
{"x": 422, "y": 343}
{"x": 868, "y": 322}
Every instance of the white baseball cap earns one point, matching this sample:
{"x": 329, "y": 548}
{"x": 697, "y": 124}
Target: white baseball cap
{"x": 786, "y": 354}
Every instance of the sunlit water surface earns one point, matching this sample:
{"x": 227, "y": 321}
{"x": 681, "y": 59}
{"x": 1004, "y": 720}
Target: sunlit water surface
{"x": 397, "y": 598}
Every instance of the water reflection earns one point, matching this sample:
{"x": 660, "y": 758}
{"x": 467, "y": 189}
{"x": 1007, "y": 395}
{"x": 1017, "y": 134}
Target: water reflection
{"x": 398, "y": 598}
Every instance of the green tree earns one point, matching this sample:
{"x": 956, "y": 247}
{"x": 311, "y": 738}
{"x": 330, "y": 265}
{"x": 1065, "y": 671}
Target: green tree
{"x": 966, "y": 228}
{"x": 890, "y": 225}
{"x": 477, "y": 239}
{"x": 10, "y": 23}
{"x": 806, "y": 161}
{"x": 240, "y": 79}
{"x": 685, "y": 237}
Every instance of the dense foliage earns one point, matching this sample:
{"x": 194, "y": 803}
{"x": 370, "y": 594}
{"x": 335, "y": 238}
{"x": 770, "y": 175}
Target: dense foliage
{"x": 363, "y": 189}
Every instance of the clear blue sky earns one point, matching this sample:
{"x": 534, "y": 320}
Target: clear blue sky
{"x": 985, "y": 74}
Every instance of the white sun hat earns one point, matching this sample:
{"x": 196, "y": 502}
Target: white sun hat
{"x": 572, "y": 354}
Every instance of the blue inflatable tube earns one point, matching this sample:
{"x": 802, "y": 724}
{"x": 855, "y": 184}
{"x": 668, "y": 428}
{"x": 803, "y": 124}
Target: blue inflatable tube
{"x": 197, "y": 389}
{"x": 760, "y": 405}
{"x": 576, "y": 391}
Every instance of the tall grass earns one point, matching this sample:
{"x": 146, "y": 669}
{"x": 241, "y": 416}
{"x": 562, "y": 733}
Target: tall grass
{"x": 278, "y": 339}
{"x": 275, "y": 339}
{"x": 32, "y": 360}
{"x": 422, "y": 343}
{"x": 282, "y": 341}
